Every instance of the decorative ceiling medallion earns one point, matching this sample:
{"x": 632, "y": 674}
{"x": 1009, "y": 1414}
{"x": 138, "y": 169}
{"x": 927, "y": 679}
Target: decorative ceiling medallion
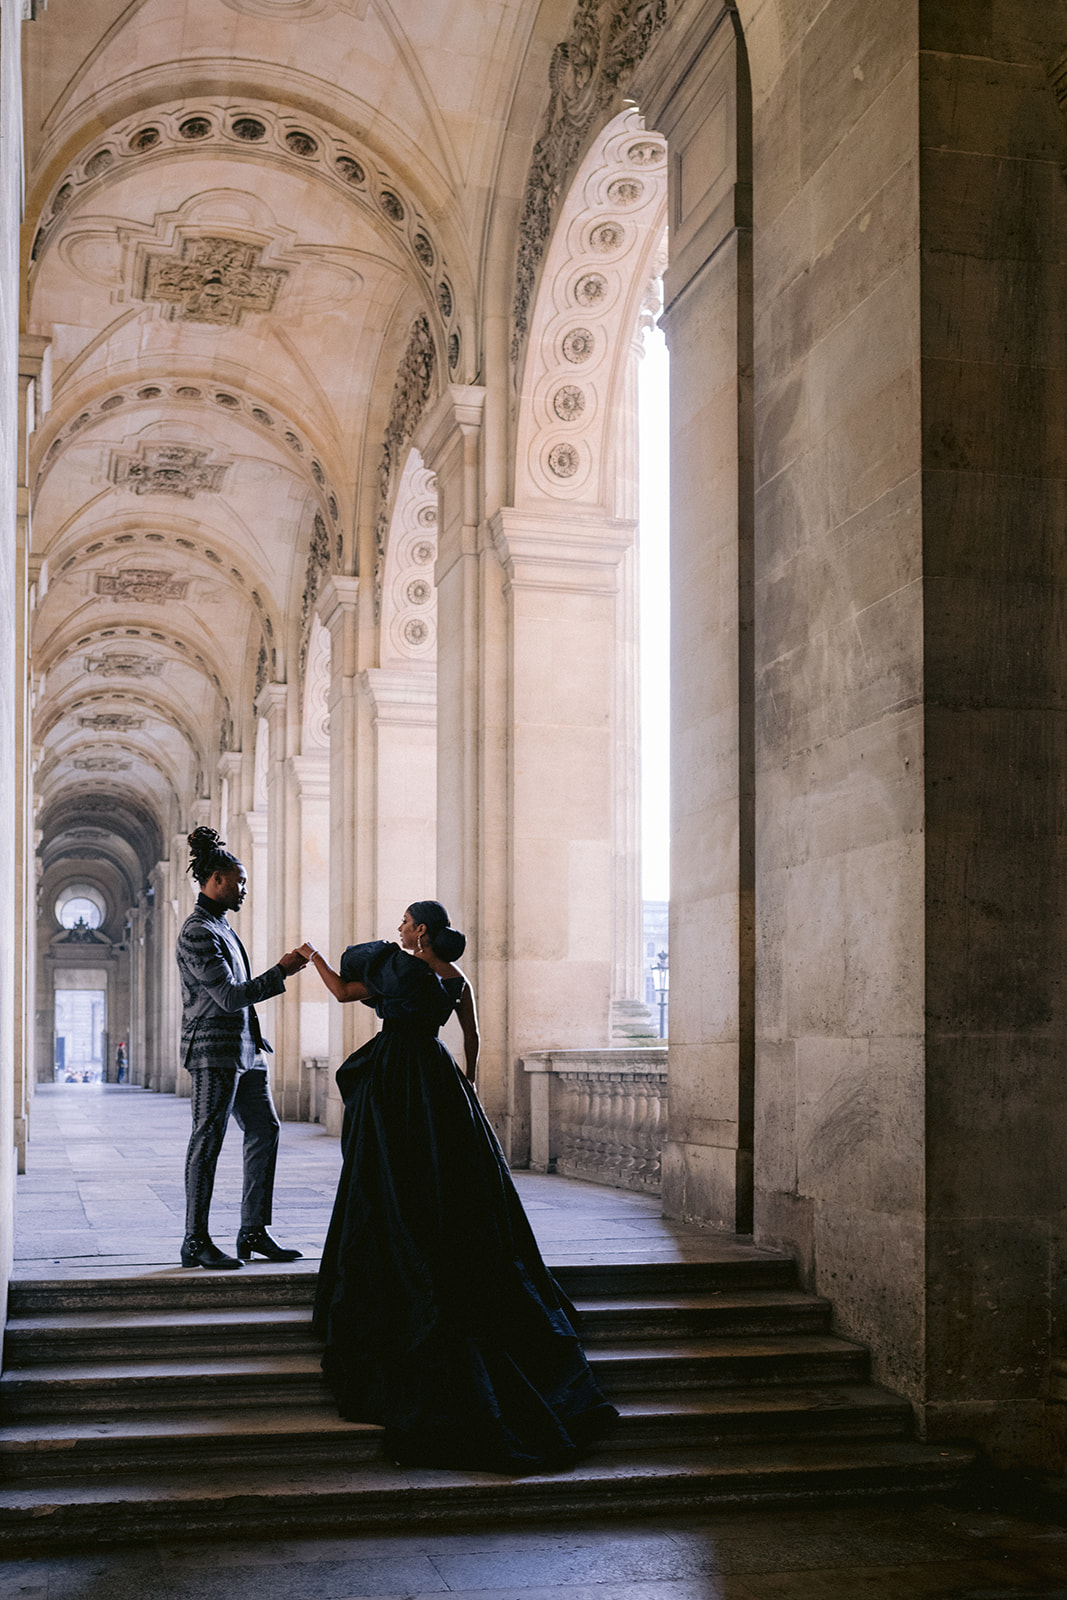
{"x": 124, "y": 664}
{"x": 212, "y": 280}
{"x": 141, "y": 584}
{"x": 112, "y": 722}
{"x": 167, "y": 469}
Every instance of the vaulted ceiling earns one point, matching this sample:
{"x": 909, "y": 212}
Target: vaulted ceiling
{"x": 238, "y": 211}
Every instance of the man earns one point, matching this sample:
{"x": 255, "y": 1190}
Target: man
{"x": 225, "y": 1051}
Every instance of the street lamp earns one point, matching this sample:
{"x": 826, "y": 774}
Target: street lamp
{"x": 661, "y": 982}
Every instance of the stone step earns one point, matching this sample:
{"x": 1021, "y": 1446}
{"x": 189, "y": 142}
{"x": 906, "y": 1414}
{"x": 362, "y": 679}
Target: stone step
{"x": 48, "y": 1338}
{"x": 293, "y": 1379}
{"x": 265, "y": 1284}
{"x": 258, "y": 1500}
{"x": 723, "y": 1313}
{"x": 192, "y": 1440}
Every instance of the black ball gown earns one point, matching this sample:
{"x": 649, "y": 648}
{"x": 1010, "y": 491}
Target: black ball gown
{"x": 440, "y": 1319}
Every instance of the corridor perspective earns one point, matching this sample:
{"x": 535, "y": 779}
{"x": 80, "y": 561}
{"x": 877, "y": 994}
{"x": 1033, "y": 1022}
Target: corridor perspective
{"x": 322, "y": 333}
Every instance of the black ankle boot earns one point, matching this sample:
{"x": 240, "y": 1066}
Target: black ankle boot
{"x": 200, "y": 1250}
{"x": 258, "y": 1240}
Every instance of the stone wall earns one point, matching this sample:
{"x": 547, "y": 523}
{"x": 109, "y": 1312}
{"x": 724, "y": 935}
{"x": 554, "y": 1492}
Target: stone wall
{"x": 839, "y": 673}
{"x": 994, "y": 495}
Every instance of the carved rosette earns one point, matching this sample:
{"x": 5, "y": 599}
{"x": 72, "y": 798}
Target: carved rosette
{"x": 409, "y": 598}
{"x": 414, "y": 384}
{"x": 586, "y": 317}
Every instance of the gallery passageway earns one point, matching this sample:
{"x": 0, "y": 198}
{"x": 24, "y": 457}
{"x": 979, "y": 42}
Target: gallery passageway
{"x": 320, "y": 331}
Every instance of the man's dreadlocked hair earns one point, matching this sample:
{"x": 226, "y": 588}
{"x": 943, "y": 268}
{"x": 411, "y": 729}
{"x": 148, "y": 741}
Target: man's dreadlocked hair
{"x": 208, "y": 854}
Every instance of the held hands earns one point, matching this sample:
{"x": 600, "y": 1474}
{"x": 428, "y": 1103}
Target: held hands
{"x": 307, "y": 951}
{"x": 293, "y": 961}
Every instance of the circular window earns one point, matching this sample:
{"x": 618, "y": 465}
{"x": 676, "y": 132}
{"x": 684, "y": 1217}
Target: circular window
{"x": 80, "y": 902}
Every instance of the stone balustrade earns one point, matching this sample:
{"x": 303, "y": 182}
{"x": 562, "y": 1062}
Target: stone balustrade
{"x": 599, "y": 1115}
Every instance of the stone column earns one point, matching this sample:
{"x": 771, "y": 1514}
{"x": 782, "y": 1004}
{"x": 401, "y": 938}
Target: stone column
{"x": 351, "y": 903}
{"x": 629, "y": 1013}
{"x": 311, "y": 787}
{"x": 472, "y": 716}
{"x": 34, "y": 401}
{"x": 688, "y": 89}
{"x": 281, "y": 1017}
{"x": 404, "y": 721}
{"x": 566, "y": 621}
{"x": 137, "y": 1043}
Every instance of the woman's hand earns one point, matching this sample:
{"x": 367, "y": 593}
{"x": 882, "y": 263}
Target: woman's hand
{"x": 307, "y": 951}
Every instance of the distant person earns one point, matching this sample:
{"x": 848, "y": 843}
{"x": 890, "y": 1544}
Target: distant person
{"x": 226, "y": 1053}
{"x": 120, "y": 1062}
{"x": 439, "y": 1317}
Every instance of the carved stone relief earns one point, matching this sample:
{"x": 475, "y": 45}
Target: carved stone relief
{"x": 290, "y": 138}
{"x": 318, "y": 563}
{"x": 409, "y": 602}
{"x": 144, "y": 585}
{"x": 124, "y": 664}
{"x": 112, "y": 722}
{"x": 101, "y": 764}
{"x": 414, "y": 381}
{"x": 212, "y": 279}
{"x": 594, "y": 267}
{"x": 168, "y": 469}
{"x": 607, "y": 41}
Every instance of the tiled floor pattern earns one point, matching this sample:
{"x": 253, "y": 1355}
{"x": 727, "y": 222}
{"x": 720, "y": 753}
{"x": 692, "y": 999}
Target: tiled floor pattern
{"x": 927, "y": 1552}
{"x": 103, "y": 1192}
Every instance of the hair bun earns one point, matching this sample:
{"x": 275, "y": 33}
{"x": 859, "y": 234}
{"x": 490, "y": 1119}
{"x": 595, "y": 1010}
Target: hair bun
{"x": 448, "y": 944}
{"x": 204, "y": 838}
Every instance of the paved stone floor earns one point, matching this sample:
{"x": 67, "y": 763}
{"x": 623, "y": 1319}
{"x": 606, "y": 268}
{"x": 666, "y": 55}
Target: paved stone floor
{"x": 887, "y": 1552}
{"x": 103, "y": 1195}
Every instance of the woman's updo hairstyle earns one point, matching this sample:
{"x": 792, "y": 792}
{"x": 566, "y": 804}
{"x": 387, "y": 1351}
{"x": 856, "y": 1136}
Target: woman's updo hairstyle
{"x": 208, "y": 854}
{"x": 446, "y": 942}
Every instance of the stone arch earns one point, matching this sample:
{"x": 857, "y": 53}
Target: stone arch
{"x": 596, "y": 272}
{"x": 409, "y": 599}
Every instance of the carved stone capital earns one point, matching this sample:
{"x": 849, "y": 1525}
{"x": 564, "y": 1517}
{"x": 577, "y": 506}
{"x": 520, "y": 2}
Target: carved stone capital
{"x": 561, "y": 551}
{"x": 406, "y": 695}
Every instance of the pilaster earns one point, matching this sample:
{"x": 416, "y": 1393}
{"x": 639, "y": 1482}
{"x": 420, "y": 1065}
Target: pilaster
{"x": 338, "y": 606}
{"x": 692, "y": 87}
{"x": 282, "y": 1016}
{"x": 403, "y": 707}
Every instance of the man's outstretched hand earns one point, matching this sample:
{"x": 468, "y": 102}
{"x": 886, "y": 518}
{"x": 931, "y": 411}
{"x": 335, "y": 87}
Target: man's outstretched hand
{"x": 293, "y": 961}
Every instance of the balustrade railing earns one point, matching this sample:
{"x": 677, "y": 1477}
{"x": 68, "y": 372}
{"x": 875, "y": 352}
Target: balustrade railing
{"x": 600, "y": 1115}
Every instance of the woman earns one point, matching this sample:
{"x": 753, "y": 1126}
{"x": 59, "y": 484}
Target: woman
{"x": 440, "y": 1319}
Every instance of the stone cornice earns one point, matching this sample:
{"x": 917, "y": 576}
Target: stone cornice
{"x": 557, "y": 550}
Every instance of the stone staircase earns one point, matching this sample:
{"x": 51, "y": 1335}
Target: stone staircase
{"x": 192, "y": 1405}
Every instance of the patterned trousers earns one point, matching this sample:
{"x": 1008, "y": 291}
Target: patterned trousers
{"x": 216, "y": 1093}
